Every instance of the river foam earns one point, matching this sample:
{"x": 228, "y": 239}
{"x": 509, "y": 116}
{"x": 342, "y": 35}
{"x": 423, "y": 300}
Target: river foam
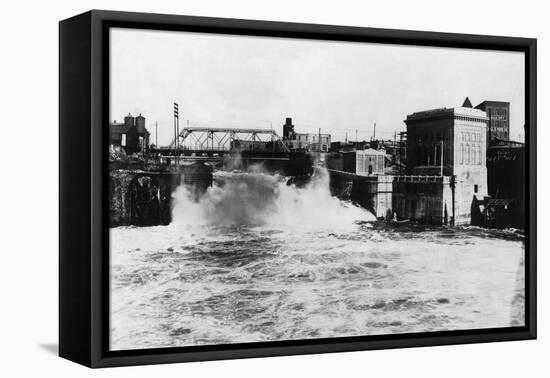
{"x": 258, "y": 260}
{"x": 259, "y": 199}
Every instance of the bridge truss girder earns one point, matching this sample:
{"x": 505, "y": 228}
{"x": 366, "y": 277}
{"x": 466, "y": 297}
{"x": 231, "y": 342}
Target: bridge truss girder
{"x": 220, "y": 139}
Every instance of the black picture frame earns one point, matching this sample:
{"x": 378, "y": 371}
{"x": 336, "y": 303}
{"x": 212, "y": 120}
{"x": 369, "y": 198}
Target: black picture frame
{"x": 83, "y": 227}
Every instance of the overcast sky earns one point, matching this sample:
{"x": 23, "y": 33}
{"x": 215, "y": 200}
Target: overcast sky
{"x": 235, "y": 81}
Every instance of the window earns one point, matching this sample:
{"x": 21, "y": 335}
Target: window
{"x": 427, "y": 155}
{"x": 476, "y": 187}
{"x": 479, "y": 154}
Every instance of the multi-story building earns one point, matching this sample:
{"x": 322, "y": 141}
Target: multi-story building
{"x": 446, "y": 142}
{"x": 498, "y": 126}
{"x": 304, "y": 141}
{"x": 132, "y": 135}
{"x": 506, "y": 184}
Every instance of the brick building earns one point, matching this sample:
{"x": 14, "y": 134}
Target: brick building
{"x": 132, "y": 135}
{"x": 498, "y": 126}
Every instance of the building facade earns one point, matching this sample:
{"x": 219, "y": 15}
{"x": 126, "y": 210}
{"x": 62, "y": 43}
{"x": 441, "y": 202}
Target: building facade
{"x": 367, "y": 162}
{"x": 427, "y": 199}
{"x": 132, "y": 135}
{"x": 498, "y": 113}
{"x": 506, "y": 184}
{"x": 450, "y": 142}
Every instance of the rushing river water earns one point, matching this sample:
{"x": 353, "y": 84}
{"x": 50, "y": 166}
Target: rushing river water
{"x": 257, "y": 260}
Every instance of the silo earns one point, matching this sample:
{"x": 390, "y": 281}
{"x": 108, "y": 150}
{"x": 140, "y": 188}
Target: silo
{"x": 129, "y": 120}
{"x": 140, "y": 124}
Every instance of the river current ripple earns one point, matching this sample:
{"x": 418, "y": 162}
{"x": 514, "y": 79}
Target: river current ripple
{"x": 257, "y": 260}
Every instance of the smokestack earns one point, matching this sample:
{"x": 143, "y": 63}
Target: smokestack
{"x": 288, "y": 128}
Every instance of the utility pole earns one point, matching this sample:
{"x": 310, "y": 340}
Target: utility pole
{"x": 394, "y": 147}
{"x": 441, "y": 158}
{"x": 157, "y": 134}
{"x": 374, "y": 132}
{"x": 489, "y": 126}
{"x": 176, "y": 132}
{"x": 452, "y": 184}
{"x": 272, "y": 137}
{"x": 401, "y": 146}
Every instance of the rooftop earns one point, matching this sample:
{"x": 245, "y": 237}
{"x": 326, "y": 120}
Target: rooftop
{"x": 121, "y": 128}
{"x": 371, "y": 151}
{"x": 465, "y": 110}
{"x": 488, "y": 102}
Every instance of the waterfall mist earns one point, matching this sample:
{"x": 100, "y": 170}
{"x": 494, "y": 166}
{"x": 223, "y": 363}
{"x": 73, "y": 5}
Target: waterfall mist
{"x": 258, "y": 199}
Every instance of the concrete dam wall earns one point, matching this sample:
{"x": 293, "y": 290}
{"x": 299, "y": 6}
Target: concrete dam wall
{"x": 373, "y": 193}
{"x": 424, "y": 199}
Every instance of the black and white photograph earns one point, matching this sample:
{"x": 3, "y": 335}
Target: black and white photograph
{"x": 273, "y": 189}
{"x": 265, "y": 189}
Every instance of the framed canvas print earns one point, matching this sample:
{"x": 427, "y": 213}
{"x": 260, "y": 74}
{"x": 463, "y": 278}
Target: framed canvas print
{"x": 234, "y": 188}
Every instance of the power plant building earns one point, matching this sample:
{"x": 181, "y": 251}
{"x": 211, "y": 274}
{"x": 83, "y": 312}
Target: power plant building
{"x": 450, "y": 143}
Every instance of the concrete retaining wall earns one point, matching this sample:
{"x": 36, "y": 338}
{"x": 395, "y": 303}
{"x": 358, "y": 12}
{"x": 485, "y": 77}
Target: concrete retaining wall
{"x": 425, "y": 199}
{"x": 374, "y": 193}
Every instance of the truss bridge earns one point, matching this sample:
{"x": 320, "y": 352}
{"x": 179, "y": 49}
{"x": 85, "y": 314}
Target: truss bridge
{"x": 209, "y": 140}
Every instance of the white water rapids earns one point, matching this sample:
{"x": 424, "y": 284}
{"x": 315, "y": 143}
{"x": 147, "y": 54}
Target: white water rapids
{"x": 258, "y": 260}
